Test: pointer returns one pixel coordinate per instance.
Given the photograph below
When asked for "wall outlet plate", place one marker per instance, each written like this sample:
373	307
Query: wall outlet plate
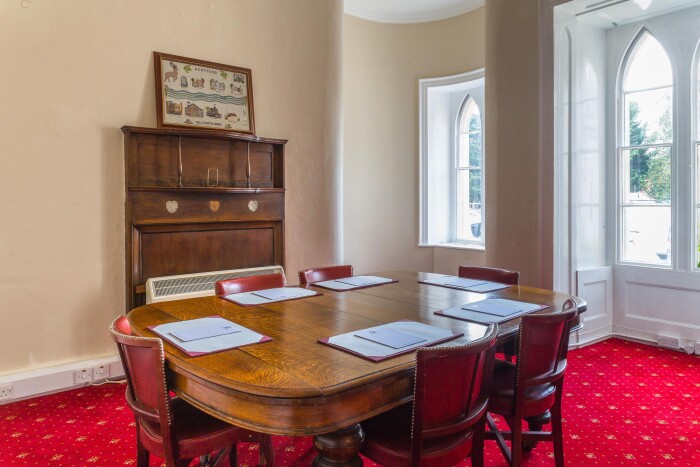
6	391
697	348
83	375
100	372
668	342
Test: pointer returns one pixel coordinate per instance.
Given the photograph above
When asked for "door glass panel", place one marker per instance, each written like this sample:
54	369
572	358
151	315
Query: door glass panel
646	234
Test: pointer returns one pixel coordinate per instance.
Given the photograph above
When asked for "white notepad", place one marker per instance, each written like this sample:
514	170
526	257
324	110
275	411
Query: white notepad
281	293
464	283
488	287
497	307
263	297
362	281
240	336
203	332
390	337
376	352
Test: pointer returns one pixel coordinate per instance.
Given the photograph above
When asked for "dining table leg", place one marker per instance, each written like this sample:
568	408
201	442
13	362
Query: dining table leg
340	447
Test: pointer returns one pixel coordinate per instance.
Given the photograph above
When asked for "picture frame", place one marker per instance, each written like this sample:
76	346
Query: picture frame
198	94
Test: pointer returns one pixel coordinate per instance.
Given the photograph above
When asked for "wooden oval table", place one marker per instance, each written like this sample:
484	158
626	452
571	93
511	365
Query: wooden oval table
295	386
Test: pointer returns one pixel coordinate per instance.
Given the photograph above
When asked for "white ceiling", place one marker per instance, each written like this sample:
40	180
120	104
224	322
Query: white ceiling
409	11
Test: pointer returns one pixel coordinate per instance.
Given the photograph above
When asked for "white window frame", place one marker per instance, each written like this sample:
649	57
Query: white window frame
439	102
457	168
681	46
621	145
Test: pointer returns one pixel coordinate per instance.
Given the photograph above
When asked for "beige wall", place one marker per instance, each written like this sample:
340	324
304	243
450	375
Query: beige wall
519	173
382	64
74	72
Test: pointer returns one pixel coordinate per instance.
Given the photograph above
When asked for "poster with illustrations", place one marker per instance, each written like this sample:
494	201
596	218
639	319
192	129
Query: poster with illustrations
203	95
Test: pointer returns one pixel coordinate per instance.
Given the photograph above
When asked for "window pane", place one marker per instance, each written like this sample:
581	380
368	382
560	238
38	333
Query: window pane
469	152
646	176
468	204
697	96
648	66
463	151
475	138
648	117
465	117
697	194
646	234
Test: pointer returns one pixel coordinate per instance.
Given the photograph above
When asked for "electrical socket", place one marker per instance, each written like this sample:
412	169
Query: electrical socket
6	391
100	372
83	375
697	348
688	346
668	342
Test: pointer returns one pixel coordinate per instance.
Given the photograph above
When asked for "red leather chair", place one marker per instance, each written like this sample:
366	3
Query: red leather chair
504	276
250	283
309	276
533	386
446	420
167	426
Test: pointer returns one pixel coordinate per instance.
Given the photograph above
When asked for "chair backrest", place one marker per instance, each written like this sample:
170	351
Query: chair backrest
143	359
250	283
544	342
504	276
451	389
329	273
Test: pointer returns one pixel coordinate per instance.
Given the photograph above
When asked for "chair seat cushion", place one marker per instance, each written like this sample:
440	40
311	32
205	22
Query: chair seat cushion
538	399
388	441
197	432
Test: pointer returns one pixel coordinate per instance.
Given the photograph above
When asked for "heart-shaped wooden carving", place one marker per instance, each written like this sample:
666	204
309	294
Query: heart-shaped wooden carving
214	205
171	206
253	205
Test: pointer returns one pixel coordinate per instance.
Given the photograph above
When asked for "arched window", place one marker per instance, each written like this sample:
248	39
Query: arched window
468	174
644	151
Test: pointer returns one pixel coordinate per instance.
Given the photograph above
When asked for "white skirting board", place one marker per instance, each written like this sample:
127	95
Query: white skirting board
594	285
58	378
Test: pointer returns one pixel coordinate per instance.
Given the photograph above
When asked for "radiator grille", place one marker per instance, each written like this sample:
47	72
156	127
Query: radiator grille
189	285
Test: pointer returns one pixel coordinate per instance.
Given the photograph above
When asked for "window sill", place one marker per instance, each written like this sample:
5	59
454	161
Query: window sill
456	246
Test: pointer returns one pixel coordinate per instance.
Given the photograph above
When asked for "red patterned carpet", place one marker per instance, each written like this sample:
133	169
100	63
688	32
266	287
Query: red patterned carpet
625	404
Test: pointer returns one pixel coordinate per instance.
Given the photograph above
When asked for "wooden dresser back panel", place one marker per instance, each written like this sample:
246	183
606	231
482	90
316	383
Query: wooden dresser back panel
199	201
201	248
157	158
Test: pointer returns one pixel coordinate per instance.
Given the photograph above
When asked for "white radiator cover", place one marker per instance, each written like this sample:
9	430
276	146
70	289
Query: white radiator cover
166	288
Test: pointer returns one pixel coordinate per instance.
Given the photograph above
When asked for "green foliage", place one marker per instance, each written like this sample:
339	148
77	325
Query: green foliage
659	176
639	159
650	169
187	68
475	150
224	74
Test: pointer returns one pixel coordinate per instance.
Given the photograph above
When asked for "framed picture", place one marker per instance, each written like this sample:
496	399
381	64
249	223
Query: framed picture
203	95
